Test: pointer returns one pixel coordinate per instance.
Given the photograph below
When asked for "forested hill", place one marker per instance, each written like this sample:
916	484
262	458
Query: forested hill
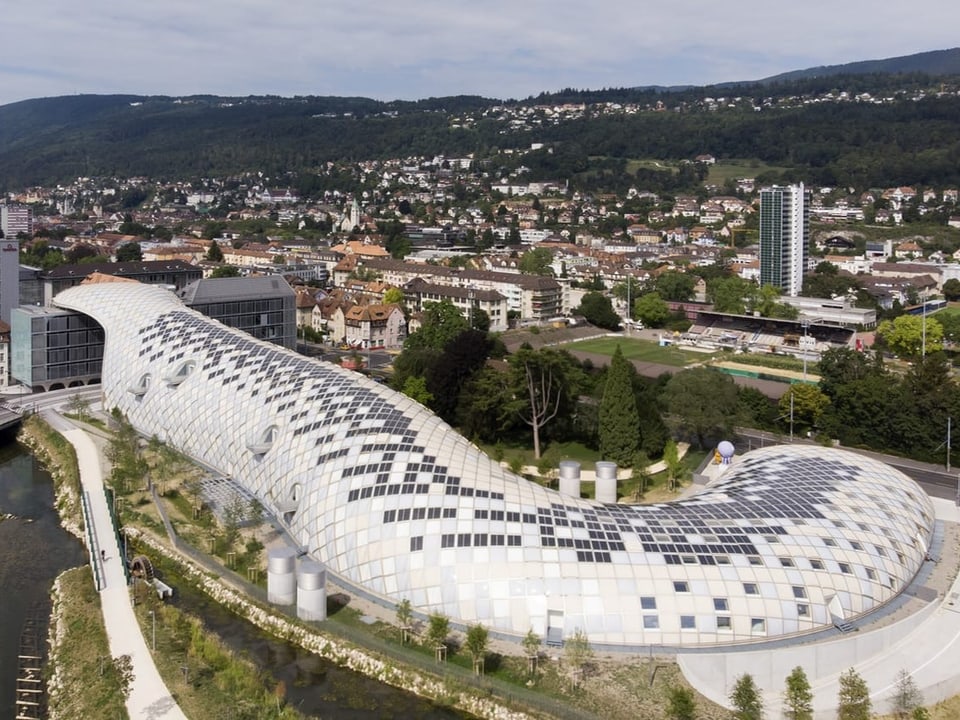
935	62
804	126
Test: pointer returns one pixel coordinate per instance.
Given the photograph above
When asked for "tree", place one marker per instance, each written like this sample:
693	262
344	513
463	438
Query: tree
675	285
746	699
702	401
536	262
233	516
680	704
577	652
808	404
853	699
255	512
415	387
123	665
477	643
438	627
951	289
531	646
546	382
441	322
912	335
619	421
798	697
651	310
640	473
677	472
214	253
731	295
130	252
597	309
393	296
404	618
906	697
79	405
225	271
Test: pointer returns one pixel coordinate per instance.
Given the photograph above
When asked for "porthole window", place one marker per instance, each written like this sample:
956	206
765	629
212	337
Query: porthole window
181	371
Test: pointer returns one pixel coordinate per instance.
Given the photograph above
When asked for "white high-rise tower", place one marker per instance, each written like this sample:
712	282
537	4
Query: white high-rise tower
784	237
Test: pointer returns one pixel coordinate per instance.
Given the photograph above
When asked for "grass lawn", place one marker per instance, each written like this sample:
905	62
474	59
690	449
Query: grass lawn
642	350
725	170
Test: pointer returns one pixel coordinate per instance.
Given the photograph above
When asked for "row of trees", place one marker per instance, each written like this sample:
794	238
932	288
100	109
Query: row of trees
853	699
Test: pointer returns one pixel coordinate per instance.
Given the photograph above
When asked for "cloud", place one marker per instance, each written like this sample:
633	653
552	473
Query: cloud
436	47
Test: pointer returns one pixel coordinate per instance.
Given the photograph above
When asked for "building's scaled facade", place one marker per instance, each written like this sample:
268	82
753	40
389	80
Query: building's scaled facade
393	500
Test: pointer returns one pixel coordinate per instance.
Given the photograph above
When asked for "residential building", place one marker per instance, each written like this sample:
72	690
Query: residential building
373	326
784	236
16	219
419	292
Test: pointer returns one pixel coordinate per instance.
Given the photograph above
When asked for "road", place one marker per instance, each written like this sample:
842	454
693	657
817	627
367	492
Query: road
376	361
934	479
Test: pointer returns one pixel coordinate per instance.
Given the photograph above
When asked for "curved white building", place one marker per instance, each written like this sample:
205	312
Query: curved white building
392	499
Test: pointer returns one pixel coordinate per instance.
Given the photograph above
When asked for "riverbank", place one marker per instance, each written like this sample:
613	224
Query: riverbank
84	681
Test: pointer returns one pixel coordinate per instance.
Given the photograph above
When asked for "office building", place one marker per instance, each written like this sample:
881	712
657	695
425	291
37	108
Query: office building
784	237
264	306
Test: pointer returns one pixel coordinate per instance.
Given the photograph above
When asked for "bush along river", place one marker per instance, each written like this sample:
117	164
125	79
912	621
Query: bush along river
34	549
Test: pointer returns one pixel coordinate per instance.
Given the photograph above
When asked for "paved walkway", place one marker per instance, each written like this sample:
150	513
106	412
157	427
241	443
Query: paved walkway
149	696
924	644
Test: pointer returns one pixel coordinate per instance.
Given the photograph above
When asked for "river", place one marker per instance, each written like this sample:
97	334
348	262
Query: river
34	549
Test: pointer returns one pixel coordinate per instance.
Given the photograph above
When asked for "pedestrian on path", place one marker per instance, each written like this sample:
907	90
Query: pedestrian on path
103	555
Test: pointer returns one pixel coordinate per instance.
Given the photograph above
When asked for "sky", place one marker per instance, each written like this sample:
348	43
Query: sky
386	49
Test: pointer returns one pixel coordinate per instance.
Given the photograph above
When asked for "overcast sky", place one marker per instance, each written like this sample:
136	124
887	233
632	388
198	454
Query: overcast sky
388	49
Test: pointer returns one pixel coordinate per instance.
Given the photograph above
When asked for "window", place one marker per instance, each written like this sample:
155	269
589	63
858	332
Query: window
688	622
750	589
723	622
463	540
855	545
449	512
845	568
816	564
755	560
786	562
720	604
871	573
648	603
403	514
447	541
829	542
433	513
416	543
389	516
758	625
651	622
803	610
681	586
799	592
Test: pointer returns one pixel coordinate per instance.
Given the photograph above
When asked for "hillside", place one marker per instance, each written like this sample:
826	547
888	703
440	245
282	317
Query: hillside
935	62
799	124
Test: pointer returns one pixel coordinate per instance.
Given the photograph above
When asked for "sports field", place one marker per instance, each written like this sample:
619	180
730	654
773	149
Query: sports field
642	350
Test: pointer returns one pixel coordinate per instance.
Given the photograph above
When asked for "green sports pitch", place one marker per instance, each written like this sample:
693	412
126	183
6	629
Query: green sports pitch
642	350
